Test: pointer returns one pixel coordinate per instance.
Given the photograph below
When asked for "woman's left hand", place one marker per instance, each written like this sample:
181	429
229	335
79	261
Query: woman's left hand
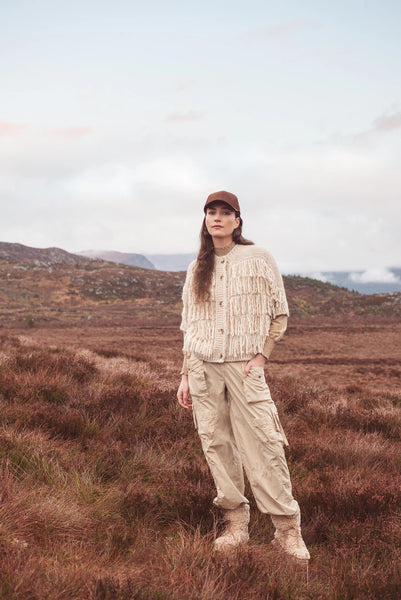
257	361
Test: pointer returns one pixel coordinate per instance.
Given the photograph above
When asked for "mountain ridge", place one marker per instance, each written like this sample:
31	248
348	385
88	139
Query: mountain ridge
368	281
52	255
59	281
124	258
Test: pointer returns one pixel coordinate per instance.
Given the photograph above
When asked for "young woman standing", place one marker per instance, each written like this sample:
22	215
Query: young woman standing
234	310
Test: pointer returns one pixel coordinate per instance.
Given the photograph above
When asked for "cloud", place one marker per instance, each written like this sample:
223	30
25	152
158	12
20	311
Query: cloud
317	208
7	128
184	117
384	124
286	29
73	131
388	122
317	275
375	275
183	86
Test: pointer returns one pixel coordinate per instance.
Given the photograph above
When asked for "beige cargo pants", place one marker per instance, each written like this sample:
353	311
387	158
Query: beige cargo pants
238	425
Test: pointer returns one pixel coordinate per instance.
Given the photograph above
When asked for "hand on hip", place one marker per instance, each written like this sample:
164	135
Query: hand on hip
257	361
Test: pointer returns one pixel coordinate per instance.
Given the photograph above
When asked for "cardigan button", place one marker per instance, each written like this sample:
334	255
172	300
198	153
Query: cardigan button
221	356
223	260
221	330
221	303
221	276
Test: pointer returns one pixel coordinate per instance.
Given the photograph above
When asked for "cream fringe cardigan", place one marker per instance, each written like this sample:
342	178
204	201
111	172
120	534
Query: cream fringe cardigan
247	293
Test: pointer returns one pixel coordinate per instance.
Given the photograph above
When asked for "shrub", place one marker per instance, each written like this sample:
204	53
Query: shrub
30	321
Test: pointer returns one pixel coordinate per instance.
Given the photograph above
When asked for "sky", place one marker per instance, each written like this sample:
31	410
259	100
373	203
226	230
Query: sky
117	119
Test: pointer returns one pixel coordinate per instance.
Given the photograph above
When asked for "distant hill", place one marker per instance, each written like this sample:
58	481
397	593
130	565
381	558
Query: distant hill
363	281
124	258
162	262
307	296
171	262
41	256
44	281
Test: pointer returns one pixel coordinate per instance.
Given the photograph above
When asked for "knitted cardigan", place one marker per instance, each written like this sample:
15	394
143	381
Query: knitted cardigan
247	292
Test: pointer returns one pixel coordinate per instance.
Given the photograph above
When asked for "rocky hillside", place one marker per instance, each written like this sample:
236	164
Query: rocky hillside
43	281
87	279
125	258
308	297
39	256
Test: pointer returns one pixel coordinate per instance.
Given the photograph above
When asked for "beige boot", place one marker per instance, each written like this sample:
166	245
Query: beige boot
236	531
288	536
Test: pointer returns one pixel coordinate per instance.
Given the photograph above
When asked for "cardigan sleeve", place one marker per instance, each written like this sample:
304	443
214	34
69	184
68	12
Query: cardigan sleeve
184	315
184	368
185	297
276	332
278	298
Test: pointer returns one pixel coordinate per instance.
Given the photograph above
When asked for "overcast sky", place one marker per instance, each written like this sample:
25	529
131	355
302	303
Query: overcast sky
117	119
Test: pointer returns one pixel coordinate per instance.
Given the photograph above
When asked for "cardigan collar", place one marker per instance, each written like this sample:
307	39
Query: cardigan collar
225	249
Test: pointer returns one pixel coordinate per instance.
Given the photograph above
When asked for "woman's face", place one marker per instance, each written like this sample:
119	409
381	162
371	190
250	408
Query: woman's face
221	221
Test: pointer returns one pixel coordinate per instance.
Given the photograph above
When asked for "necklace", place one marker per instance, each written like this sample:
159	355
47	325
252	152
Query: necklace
230	245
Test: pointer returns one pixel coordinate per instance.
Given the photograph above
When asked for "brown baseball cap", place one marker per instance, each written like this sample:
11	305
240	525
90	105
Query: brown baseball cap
226	197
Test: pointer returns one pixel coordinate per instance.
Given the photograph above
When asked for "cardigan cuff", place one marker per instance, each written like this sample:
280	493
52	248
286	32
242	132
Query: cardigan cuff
276	332
184	368
268	347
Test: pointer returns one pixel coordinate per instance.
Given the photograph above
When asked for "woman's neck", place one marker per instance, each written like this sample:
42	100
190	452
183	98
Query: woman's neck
224	249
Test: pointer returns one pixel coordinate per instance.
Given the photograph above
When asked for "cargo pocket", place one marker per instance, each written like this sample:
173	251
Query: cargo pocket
255	386
204	415
196	377
268	427
194	418
205	419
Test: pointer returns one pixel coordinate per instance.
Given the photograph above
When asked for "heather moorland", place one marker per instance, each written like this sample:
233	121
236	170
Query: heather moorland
105	493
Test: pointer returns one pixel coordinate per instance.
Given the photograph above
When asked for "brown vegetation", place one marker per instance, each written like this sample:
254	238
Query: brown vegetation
105	493
52	286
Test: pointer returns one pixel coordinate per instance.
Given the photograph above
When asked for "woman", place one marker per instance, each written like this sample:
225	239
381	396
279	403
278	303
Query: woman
234	310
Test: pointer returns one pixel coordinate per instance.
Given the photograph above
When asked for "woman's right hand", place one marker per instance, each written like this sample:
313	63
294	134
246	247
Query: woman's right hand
183	396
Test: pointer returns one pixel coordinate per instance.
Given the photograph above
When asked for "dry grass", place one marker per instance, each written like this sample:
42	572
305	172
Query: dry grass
105	493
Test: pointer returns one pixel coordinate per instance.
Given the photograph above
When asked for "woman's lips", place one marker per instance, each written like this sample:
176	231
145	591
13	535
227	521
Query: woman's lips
217	226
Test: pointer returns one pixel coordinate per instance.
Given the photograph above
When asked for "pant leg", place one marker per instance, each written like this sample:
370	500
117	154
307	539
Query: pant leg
260	439
212	419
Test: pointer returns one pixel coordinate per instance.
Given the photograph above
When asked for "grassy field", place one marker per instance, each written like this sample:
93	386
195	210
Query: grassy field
105	493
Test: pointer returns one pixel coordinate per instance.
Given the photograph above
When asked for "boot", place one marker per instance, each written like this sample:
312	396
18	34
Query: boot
288	536
236	531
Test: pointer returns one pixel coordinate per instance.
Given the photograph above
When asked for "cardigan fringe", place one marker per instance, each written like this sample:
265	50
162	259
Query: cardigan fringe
247	292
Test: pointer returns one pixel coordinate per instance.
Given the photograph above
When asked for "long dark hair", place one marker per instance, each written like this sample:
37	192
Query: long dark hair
205	259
